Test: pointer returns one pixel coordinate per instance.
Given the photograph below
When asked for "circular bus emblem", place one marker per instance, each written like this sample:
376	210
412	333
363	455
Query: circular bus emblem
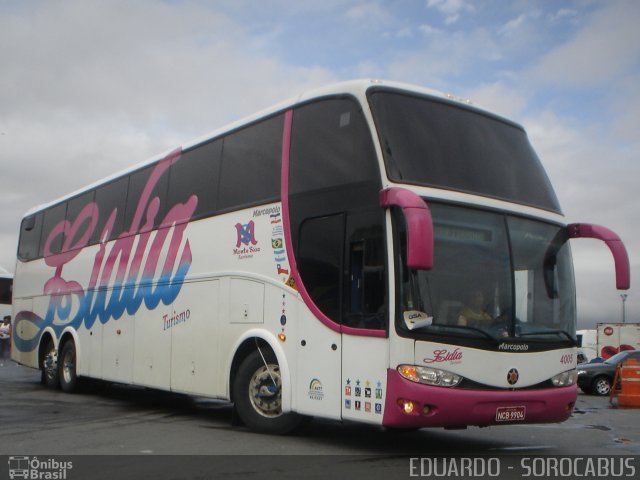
512	376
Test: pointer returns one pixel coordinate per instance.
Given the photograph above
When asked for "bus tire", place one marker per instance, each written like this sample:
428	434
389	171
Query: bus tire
49	366
257	394
67	368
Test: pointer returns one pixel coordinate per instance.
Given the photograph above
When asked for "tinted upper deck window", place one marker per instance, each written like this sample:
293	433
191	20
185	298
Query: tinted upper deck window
197	173
30	233
52	217
138	181
330	146
109	198
251	159
441	144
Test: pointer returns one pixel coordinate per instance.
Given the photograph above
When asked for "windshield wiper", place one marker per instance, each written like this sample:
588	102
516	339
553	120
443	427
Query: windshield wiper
551	332
464	327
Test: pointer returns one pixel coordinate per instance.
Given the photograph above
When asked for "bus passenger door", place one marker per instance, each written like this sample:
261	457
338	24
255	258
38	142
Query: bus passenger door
364	355
319	345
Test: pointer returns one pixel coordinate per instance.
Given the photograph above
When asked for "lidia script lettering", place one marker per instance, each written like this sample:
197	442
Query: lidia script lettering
129	267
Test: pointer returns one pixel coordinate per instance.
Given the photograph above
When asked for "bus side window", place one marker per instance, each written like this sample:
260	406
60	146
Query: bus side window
366	276
196	173
137	182
250	172
30	232
331	147
52	217
75	206
320	261
110	197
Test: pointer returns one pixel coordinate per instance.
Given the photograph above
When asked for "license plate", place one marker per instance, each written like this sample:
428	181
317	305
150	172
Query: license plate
510	414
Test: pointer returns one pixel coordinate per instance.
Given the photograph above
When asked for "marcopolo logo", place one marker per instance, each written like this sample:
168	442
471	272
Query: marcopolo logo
513	347
38	469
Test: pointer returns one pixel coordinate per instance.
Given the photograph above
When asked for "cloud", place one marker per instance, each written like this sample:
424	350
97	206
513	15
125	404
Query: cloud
624	103
499	97
429	30
563	14
443	56
92	59
451	9
607	46
512	26
367	12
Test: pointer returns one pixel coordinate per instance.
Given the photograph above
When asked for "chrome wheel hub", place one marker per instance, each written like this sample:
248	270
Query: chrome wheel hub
265	391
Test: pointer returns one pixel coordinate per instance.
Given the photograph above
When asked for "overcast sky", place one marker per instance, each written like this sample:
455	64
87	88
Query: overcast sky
89	87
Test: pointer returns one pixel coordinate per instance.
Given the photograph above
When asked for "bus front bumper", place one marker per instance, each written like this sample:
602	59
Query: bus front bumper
413	405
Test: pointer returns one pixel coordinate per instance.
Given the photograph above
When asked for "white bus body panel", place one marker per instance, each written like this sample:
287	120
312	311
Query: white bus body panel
317	385
364	378
194	333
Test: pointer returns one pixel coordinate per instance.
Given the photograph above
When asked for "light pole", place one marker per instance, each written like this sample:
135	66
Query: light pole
623	296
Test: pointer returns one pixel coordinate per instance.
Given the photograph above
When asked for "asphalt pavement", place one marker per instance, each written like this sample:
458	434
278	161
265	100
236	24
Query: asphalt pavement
106	419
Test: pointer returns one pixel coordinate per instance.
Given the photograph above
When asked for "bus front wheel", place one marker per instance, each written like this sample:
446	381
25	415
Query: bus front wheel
257	394
67	367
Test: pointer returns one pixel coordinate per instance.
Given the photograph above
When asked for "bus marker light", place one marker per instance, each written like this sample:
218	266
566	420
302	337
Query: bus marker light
282	337
409	372
407	406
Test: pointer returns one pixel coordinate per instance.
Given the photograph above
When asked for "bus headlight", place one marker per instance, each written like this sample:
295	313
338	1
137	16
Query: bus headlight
429	376
565	379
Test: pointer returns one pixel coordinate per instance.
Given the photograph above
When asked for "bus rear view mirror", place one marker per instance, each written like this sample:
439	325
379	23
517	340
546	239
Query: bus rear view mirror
617	248
419	225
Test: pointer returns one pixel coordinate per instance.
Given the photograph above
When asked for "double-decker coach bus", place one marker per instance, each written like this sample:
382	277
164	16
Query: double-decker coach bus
370	251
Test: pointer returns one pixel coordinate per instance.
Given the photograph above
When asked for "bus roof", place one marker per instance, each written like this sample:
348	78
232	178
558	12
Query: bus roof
356	88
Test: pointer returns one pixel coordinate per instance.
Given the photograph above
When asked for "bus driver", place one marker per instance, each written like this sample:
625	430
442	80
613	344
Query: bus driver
474	313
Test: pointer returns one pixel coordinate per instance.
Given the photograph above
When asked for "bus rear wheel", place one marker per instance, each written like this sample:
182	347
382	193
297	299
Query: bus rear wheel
49	366
67	367
257	393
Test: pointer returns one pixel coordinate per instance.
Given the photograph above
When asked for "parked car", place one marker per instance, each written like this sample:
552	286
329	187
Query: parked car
597	378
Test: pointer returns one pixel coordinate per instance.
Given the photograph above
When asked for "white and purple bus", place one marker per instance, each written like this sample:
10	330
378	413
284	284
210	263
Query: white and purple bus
370	251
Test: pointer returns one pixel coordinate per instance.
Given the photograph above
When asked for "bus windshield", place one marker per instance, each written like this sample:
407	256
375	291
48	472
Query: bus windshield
495	277
440	144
